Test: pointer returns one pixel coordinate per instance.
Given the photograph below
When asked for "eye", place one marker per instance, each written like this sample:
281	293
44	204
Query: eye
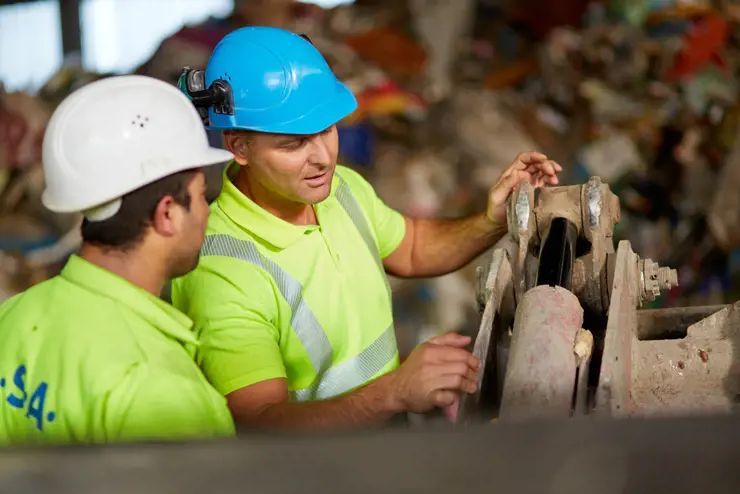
295	143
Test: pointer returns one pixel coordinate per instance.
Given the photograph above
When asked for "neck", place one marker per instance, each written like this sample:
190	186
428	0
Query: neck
135	268
293	212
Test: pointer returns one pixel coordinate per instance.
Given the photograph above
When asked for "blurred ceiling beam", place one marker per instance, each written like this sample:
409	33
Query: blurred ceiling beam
11	2
69	16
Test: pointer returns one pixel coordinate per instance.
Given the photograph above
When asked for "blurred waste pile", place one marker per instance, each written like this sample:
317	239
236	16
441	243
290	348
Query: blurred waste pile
34	243
642	93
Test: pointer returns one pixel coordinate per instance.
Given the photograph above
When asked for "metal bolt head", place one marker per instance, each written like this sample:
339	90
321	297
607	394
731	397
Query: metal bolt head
654	278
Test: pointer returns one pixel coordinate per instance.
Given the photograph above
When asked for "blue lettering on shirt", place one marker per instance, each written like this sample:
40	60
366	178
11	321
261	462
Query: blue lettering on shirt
33	406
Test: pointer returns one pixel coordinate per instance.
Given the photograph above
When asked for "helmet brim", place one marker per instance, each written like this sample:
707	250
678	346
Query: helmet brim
210	156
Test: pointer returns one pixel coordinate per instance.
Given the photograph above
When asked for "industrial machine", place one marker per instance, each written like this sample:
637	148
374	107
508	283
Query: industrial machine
562	333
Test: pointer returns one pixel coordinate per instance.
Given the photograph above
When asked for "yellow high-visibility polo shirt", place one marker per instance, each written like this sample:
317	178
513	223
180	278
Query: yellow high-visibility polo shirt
88	357
308	303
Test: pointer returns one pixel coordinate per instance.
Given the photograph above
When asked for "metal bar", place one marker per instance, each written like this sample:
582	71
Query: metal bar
661	324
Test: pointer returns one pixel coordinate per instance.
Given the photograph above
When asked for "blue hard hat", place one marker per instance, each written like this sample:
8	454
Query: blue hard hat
279	82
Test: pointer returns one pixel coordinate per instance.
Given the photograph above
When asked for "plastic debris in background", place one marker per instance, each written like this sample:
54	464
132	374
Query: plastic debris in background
612	156
608	105
13	129
442	26
636	12
429	178
511	73
486	132
456	302
23	119
392	51
382	96
709	85
701	46
357	143
558	70
541	18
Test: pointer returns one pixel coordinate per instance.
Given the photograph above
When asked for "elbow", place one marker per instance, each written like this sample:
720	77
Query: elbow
254	406
250	419
400	269
402	264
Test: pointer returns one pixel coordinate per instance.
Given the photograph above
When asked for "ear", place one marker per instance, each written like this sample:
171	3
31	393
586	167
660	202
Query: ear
237	145
168	217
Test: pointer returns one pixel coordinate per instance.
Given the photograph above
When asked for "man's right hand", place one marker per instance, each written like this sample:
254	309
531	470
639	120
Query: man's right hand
434	374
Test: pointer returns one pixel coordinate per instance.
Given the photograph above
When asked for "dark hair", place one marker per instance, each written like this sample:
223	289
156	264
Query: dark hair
124	230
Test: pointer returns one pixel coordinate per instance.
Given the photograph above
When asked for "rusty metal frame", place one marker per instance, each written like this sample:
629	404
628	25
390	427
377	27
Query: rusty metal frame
498	294
613	393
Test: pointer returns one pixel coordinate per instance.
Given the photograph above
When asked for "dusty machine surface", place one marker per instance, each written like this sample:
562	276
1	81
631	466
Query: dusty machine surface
676	456
562	333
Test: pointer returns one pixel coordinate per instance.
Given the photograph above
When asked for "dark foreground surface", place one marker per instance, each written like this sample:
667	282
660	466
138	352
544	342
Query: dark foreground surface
671	456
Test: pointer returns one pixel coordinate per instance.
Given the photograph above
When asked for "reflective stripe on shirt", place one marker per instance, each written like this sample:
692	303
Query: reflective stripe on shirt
330	380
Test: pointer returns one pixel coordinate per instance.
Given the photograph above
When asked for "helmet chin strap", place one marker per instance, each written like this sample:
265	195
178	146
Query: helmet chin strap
103	212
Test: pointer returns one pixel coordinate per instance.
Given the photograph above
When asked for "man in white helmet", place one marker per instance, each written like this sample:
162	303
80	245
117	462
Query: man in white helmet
93	355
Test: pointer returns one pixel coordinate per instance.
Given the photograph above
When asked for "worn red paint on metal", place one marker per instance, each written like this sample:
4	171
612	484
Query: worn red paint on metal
541	369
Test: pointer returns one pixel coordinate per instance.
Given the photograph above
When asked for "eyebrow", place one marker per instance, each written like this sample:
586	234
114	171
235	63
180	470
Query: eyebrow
287	139
290	139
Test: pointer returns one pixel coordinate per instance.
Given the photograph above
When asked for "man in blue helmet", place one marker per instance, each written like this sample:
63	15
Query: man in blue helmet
290	298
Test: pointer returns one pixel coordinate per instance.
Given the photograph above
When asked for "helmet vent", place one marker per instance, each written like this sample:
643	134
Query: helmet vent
139	121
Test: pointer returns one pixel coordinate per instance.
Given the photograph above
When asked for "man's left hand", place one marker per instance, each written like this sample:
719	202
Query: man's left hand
532	167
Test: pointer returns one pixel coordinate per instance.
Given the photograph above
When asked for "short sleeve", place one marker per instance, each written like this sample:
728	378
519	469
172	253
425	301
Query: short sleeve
156	405
388	224
234	310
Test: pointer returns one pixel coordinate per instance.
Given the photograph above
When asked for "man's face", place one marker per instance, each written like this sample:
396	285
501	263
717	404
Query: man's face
192	232
298	168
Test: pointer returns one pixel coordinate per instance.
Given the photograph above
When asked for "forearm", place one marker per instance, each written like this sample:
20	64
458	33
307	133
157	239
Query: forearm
368	406
442	246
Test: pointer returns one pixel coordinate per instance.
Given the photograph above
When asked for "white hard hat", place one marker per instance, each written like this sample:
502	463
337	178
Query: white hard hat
116	135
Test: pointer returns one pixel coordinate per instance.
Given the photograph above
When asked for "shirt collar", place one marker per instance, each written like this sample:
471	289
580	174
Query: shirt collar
154	310
251	217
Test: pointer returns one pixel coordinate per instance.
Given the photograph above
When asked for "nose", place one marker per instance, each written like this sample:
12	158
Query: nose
320	153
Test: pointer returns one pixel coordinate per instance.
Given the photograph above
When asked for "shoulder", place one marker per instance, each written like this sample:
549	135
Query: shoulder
225	282
227	263
13	302
34	294
358	186
59	303
352	178
56	322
